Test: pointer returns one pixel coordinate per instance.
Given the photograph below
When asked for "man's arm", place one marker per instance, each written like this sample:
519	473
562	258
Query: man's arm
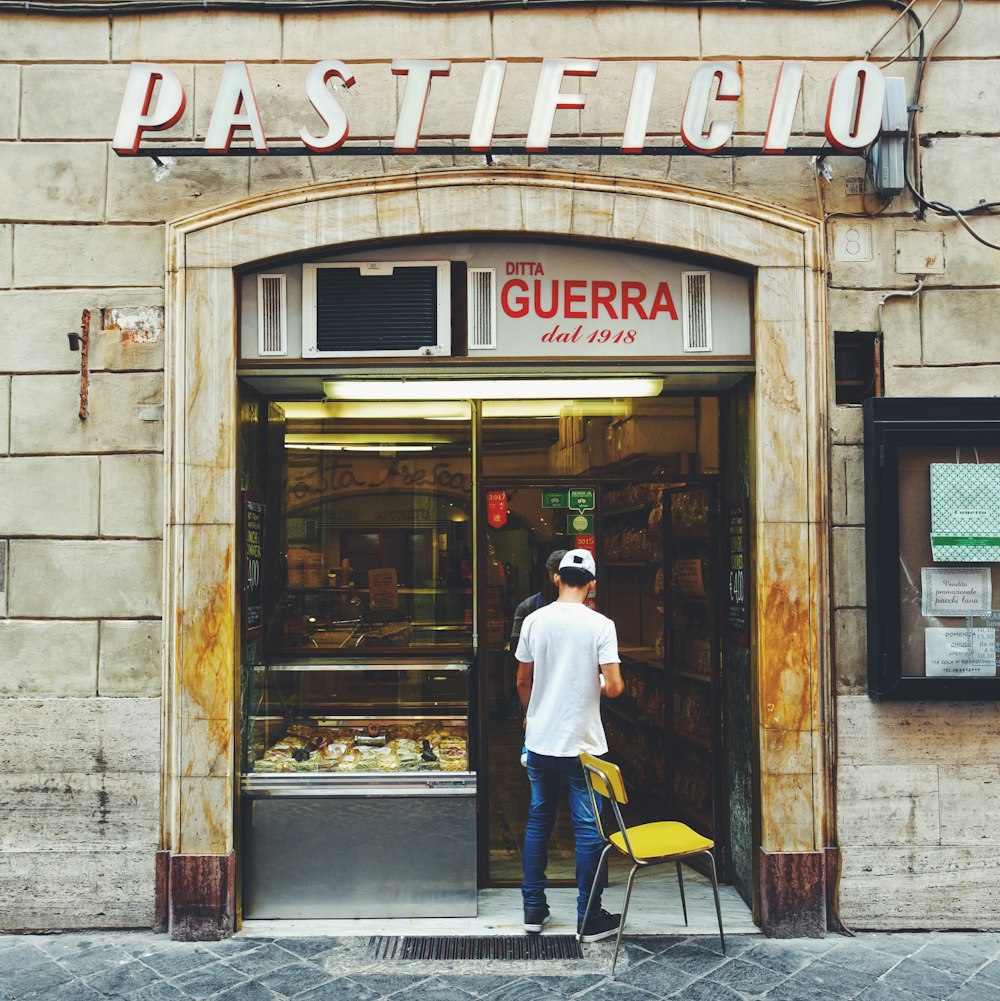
525	679
613	684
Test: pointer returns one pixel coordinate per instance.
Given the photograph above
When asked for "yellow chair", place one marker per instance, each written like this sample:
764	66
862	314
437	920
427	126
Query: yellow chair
645	844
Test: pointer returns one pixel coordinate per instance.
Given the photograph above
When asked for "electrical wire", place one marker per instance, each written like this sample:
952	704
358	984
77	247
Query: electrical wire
914	179
906	48
130	7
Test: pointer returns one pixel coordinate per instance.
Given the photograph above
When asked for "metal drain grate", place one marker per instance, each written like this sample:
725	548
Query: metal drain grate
474	947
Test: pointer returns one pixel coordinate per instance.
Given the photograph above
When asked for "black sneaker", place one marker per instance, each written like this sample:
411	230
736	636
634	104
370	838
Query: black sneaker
599	925
536	918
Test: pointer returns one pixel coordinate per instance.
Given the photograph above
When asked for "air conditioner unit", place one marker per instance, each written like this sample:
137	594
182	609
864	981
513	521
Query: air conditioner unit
376	309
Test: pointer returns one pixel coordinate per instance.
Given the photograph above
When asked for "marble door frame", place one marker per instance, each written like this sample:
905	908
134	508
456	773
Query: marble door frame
196	867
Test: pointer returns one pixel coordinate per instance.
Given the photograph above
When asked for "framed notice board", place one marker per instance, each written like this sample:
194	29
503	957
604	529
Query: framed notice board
932	524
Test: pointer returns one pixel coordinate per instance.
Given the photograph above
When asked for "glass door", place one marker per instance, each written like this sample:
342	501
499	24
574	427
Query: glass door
524	527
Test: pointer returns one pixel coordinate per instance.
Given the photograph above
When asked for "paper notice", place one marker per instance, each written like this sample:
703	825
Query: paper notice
960	653
958	591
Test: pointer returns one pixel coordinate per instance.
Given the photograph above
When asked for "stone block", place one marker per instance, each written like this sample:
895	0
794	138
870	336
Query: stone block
942	733
96	735
132	496
205	36
57	181
847	485
848	571
896	888
4	414
10	83
971	380
56	890
370	105
77	812
847	425
61	310
97	99
755	33
92	579
643	34
779	180
40	39
850	650
880	271
959	170
968	261
194	183
45	413
49	495
365	37
285	173
959	97
853	310
970	805
6	255
959	327
130	658
336	168
108	256
57	659
887	805
977	34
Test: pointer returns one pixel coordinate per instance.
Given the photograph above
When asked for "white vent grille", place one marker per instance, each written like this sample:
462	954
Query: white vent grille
482	309
697	310
272	316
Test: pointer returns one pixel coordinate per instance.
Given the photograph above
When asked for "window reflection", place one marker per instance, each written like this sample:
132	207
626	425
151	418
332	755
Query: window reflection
375	531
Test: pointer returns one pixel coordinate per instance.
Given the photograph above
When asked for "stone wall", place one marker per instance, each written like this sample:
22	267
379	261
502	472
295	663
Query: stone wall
80	504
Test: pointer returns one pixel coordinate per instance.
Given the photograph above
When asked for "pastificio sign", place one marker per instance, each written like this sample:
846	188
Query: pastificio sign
154	101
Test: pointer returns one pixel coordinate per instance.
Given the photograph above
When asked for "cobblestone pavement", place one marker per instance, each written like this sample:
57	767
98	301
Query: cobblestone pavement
146	967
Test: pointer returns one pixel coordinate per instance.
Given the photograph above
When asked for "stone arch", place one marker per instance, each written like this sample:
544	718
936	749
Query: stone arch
786	252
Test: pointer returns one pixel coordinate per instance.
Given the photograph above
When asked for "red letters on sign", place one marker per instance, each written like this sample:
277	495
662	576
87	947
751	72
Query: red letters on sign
578	299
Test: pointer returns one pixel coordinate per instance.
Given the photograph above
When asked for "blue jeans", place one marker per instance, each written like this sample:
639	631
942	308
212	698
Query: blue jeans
546	774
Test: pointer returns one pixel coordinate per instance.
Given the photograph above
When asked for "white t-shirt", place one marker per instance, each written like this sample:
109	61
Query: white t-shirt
567	642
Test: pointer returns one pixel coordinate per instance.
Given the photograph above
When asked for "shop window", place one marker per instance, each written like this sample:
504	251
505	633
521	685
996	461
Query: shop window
375	532
932	501
857	356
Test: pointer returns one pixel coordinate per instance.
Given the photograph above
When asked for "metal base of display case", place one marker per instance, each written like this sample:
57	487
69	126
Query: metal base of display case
378	847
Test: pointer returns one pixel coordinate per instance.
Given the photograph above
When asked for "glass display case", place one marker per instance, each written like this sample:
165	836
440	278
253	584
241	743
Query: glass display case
334	753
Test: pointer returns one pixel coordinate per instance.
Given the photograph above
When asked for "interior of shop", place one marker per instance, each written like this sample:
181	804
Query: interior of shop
403	535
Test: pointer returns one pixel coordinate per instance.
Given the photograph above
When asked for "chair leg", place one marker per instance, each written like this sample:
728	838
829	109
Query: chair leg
680	883
621	927
595	884
718	908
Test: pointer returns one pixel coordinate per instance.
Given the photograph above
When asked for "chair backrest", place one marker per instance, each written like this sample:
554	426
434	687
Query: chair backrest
605	777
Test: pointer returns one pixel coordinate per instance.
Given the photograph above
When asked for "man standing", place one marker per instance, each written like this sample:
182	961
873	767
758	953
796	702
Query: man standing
567	654
533	602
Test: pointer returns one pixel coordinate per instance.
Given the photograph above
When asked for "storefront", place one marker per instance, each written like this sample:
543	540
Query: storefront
401	515
360	291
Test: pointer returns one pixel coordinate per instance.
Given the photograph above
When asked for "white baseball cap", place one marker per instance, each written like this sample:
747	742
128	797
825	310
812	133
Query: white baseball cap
581	559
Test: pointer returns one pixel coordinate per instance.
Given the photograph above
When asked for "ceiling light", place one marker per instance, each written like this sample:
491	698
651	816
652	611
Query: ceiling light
388	446
490	389
377	438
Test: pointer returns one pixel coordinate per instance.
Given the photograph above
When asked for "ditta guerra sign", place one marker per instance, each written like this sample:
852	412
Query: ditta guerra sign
155	100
